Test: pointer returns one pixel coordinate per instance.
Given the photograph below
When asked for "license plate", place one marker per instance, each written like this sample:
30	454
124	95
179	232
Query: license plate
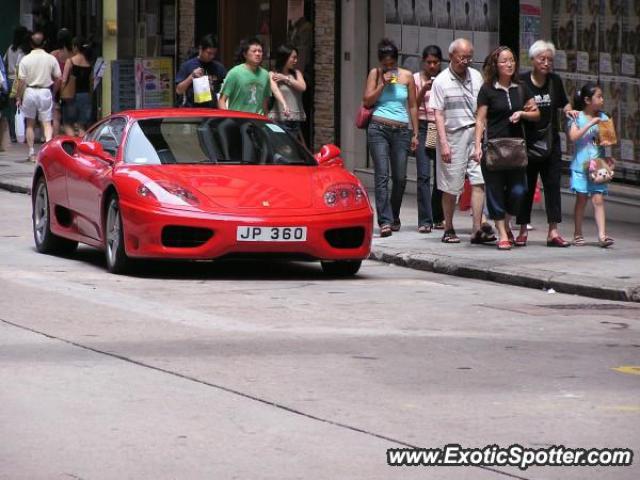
251	233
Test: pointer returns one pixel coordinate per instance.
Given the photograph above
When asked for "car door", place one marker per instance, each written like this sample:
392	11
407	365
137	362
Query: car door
88	175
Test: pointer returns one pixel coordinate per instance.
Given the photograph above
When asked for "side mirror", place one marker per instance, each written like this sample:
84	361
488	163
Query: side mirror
95	149
329	153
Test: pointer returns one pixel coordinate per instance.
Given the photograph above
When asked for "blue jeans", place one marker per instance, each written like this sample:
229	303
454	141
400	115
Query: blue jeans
505	191
389	148
424	157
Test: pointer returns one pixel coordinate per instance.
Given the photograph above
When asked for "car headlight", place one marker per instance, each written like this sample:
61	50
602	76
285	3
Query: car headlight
345	195
168	193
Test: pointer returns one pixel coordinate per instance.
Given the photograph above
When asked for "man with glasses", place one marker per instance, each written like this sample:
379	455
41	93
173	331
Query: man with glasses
453	98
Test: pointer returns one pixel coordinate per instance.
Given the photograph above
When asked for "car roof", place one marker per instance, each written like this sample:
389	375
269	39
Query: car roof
147	113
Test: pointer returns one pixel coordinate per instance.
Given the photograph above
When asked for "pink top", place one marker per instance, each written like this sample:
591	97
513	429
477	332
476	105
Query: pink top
424	112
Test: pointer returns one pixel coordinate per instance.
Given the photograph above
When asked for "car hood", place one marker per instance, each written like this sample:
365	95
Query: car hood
240	186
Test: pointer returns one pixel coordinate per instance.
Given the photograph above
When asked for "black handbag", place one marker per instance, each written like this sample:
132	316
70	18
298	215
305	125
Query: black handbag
506	153
540	146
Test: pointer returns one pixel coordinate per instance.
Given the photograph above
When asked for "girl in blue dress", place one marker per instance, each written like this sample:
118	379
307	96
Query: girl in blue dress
583	130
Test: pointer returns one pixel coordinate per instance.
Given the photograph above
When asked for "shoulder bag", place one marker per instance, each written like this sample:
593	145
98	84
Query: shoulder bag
539	148
506	153
600	170
68	92
364	113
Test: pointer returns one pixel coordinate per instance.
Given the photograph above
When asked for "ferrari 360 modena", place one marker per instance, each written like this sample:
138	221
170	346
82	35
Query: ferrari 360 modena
197	184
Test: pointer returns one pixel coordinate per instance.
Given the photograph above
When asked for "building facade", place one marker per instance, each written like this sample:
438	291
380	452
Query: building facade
596	40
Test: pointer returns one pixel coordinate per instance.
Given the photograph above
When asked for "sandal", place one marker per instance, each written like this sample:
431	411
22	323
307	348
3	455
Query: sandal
438	226
578	241
424	229
385	231
504	245
481	237
512	240
395	226
450	237
606	241
521	240
557	242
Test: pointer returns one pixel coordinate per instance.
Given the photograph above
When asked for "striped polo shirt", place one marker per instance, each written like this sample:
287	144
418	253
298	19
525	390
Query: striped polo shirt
456	98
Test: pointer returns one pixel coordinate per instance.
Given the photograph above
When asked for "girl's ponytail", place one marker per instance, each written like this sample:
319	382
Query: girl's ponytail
587	91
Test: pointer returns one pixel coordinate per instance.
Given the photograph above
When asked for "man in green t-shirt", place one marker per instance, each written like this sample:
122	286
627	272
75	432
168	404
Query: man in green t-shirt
246	87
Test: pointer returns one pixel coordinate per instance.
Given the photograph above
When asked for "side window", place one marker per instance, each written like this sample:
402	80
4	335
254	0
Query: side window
110	135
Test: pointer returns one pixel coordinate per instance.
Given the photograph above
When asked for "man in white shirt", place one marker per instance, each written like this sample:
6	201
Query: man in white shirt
38	74
454	100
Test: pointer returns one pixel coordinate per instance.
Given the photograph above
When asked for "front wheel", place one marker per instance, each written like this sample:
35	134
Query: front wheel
341	268
45	240
117	260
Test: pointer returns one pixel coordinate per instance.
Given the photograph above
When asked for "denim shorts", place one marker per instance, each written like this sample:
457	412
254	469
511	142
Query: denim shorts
77	110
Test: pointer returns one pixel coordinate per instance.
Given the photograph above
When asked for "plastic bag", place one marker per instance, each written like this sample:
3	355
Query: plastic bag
201	90
537	194
19	121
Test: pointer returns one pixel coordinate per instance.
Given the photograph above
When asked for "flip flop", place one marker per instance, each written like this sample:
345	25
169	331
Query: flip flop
606	242
482	237
578	241
450	237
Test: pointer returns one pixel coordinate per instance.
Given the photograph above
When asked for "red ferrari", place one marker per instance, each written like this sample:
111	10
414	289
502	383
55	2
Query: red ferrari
198	184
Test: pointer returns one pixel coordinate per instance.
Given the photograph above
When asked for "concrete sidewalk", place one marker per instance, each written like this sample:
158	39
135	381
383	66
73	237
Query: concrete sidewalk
612	273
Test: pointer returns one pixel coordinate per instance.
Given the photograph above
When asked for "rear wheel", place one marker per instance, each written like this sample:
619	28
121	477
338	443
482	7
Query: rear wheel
341	268
45	240
117	260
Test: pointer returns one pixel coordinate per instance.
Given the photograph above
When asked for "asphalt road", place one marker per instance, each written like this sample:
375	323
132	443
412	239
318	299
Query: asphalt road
273	371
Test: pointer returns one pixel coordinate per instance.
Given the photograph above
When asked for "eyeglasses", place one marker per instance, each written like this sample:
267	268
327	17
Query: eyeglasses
467	60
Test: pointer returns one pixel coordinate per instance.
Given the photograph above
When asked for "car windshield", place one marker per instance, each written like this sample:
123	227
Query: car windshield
212	140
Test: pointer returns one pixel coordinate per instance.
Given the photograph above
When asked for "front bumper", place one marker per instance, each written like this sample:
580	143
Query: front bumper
143	228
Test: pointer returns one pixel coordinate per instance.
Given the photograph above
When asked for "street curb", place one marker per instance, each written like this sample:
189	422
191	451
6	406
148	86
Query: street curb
531	278
482	270
15	188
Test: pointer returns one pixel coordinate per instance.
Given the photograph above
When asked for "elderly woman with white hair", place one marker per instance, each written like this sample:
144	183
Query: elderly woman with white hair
543	141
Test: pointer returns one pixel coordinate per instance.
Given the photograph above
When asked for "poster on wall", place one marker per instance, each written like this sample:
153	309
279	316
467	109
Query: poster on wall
530	13
154	82
603	46
414	24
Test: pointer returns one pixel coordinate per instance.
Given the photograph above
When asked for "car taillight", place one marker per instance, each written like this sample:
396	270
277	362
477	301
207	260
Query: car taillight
345	195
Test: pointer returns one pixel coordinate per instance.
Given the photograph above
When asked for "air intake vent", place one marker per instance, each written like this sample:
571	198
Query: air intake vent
185	237
345	237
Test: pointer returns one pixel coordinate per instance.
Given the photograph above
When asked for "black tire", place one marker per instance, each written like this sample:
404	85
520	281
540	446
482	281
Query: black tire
117	260
341	268
45	240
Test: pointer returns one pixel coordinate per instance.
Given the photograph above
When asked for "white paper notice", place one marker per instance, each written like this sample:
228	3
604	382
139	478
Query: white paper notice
560	60
628	66
605	63
626	149
583	61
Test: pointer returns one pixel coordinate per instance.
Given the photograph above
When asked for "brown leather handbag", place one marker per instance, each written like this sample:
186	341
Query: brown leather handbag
507	153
